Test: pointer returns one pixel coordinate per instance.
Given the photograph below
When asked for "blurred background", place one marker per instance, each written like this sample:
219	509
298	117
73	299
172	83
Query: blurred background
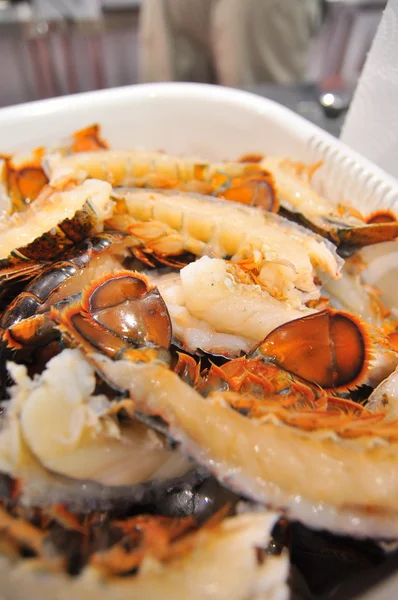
306	54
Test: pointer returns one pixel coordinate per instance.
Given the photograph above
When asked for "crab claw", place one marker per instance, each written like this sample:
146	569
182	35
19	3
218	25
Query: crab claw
119	315
331	348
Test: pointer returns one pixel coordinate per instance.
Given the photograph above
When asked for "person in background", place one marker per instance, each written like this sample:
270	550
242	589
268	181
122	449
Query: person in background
236	43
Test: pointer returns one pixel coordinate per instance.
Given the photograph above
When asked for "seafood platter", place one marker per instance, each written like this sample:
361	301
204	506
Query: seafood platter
198	352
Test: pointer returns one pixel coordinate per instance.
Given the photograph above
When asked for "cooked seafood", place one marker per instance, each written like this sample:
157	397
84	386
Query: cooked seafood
284	256
380	266
104	411
217	307
21	180
88	139
51	278
350	293
58	424
22	176
231	314
385	397
24	263
346	351
341	223
271	450
5	203
122	315
53	207
156	557
25	322
72	432
243	183
275	462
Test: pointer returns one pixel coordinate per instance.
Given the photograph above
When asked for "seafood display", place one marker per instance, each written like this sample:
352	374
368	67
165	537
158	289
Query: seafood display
196	360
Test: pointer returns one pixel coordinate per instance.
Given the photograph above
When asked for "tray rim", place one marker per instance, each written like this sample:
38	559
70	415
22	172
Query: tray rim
307	132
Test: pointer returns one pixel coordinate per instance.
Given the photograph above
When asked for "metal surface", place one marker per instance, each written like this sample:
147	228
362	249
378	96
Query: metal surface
363	4
335	103
113	5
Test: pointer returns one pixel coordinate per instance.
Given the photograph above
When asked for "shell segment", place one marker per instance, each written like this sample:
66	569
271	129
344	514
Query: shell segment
243	183
120	315
329	348
285	257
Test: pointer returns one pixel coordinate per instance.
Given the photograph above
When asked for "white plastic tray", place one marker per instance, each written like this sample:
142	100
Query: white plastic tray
204	120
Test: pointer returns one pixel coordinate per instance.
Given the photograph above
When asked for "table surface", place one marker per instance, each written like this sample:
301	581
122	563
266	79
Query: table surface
302	99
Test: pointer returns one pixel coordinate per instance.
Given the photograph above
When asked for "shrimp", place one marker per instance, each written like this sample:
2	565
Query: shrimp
285	257
246	184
